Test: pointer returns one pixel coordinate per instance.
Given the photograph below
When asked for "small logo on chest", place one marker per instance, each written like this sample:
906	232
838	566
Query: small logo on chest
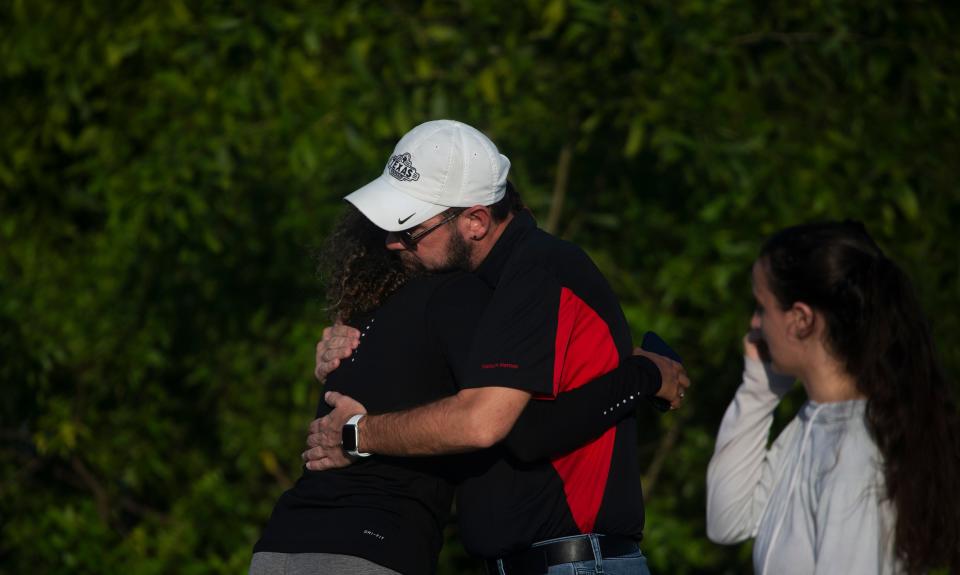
499	365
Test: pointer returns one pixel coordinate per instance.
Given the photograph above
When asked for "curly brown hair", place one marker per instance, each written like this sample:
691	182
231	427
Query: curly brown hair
359	272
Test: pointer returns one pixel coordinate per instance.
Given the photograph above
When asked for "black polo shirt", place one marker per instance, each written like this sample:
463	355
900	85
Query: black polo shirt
388	510
552	325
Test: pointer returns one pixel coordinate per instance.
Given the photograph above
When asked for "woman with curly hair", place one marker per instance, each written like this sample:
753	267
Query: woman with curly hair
864	479
381	515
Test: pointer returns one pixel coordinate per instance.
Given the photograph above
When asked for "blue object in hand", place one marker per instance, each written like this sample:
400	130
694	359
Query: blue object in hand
655	344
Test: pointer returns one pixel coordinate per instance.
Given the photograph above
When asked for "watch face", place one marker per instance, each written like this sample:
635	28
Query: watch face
349	437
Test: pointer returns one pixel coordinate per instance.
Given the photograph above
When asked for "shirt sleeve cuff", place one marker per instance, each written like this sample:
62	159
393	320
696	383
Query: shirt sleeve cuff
759	376
648	375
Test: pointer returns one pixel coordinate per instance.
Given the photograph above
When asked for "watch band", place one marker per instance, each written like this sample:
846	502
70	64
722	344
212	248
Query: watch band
351	430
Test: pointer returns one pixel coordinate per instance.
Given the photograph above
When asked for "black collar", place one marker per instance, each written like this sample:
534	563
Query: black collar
491	268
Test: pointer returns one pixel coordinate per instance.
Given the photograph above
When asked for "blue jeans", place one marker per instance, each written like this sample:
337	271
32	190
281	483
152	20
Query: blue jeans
630	564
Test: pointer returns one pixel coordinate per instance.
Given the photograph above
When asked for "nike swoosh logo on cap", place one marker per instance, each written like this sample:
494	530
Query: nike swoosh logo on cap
404	220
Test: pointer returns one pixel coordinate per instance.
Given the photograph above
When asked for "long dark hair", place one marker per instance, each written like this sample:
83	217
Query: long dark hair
876	328
358	270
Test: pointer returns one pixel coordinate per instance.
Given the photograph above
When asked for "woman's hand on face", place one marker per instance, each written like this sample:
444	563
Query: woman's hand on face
754	346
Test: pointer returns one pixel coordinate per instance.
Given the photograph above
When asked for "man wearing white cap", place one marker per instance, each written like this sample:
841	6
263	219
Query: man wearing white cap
552	326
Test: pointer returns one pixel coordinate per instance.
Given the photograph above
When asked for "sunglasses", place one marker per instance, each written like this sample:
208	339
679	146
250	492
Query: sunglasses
410	239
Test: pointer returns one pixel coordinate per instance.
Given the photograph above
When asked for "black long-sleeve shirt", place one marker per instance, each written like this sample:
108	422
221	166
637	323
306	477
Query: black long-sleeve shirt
389	510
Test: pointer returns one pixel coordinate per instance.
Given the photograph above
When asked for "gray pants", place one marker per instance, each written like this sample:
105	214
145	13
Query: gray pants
266	563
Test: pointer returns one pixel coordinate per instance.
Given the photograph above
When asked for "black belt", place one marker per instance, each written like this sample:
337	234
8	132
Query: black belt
538	559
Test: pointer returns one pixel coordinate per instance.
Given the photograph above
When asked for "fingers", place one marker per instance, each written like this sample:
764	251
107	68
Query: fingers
750	340
323	440
332	397
335	348
673	377
682	384
333	462
320	459
649	354
324	450
755	347
324	431
313	454
338	337
329	360
324	368
343	406
337	344
340	330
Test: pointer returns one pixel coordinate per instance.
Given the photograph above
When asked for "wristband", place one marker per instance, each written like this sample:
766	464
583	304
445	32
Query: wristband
350	436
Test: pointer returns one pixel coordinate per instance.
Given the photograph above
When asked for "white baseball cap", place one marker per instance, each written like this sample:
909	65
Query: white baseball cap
437	165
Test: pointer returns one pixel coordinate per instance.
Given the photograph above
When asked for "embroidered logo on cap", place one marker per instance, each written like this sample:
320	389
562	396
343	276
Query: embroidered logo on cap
402	168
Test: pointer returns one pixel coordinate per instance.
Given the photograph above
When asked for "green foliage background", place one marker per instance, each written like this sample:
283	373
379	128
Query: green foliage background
168	168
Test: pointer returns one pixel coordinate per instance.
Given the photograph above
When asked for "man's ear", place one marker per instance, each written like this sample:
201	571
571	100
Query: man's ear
803	320
477	222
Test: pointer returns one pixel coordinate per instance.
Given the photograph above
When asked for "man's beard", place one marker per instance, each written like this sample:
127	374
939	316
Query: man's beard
412	267
458	254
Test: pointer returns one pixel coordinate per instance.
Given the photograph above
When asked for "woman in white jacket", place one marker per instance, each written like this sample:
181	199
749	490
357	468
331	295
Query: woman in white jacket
866	477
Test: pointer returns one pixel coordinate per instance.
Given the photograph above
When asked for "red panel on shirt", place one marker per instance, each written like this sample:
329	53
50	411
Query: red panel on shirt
584	351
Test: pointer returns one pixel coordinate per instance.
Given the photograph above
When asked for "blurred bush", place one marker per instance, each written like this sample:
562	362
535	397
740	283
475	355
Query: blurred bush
167	170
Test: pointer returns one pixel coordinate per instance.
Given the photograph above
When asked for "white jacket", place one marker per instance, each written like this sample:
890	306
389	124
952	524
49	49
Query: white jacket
815	500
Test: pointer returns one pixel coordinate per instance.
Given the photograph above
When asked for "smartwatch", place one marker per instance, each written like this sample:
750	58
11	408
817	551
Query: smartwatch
350	436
